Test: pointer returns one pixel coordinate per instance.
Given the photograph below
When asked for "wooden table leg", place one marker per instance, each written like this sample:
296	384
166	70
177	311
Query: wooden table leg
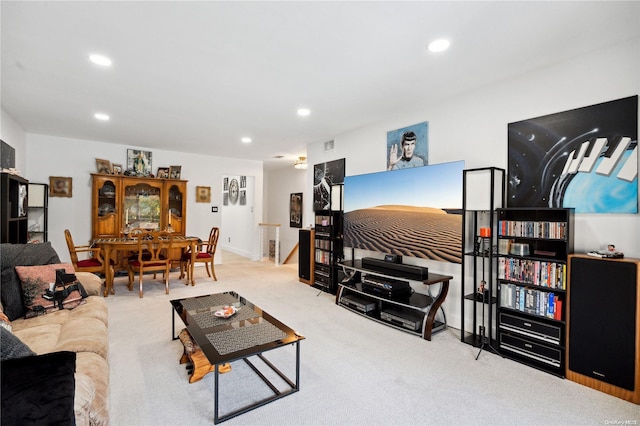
109	271
193	262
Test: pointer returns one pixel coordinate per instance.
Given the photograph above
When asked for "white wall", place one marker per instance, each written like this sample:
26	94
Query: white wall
12	134
473	127
279	185
236	218
57	156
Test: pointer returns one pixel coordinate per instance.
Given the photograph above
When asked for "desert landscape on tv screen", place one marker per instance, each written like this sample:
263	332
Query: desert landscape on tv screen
412	212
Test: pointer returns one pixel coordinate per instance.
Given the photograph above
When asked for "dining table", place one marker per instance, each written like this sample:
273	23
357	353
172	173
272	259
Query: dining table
112	245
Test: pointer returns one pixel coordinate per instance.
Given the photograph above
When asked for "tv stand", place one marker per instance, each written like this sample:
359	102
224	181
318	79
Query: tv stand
415	314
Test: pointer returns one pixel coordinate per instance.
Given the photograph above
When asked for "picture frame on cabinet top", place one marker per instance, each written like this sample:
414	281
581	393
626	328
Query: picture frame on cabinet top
103	166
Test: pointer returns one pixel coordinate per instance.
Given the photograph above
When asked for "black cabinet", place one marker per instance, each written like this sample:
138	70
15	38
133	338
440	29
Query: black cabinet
14	211
533	246
328	249
603	344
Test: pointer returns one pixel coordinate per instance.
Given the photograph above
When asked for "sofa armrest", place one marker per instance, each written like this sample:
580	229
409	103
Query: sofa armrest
91	283
39	389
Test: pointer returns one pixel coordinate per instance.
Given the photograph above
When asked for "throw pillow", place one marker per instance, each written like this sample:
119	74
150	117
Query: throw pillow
39	390
12	255
11	347
35	285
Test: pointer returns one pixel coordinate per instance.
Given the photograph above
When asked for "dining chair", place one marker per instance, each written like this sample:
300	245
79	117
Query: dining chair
92	261
152	256
206	253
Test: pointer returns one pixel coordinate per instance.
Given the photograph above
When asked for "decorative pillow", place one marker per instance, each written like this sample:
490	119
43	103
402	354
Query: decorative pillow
35	289
11	347
39	390
12	255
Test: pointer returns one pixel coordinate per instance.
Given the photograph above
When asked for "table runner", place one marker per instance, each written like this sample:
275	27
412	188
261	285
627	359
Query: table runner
242	338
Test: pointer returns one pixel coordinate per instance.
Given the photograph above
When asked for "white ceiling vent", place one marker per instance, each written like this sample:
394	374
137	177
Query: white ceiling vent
328	146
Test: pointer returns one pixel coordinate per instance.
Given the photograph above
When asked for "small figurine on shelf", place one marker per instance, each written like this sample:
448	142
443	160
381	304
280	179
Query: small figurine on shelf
610	253
483	292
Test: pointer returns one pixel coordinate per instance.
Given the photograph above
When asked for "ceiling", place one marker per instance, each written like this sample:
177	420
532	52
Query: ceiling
199	76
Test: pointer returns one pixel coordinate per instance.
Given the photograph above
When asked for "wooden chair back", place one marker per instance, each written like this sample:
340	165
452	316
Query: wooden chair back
92	256
213	241
153	256
205	254
153	248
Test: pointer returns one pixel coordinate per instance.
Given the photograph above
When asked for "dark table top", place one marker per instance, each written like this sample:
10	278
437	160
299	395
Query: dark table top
248	332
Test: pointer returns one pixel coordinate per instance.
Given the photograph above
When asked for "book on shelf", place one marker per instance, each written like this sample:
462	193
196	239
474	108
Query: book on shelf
532	229
531	301
536	272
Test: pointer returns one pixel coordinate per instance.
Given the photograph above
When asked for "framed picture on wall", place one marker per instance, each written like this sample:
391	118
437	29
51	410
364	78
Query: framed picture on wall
60	186
408	147
139	162
295	210
203	194
585	158
325	175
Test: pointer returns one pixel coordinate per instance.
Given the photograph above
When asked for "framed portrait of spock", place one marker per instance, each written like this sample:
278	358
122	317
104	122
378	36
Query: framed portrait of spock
408	147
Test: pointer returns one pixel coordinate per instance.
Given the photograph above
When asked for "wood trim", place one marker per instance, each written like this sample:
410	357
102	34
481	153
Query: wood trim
293	250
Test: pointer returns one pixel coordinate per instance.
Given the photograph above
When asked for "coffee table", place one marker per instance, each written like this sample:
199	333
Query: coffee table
249	333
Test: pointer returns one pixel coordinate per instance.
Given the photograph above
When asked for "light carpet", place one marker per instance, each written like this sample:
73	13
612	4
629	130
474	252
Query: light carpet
353	371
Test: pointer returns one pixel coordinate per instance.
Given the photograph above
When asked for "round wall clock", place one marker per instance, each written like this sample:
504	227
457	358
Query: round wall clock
234	189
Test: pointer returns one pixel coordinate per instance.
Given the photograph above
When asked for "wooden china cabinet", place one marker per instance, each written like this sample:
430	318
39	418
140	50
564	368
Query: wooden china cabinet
121	203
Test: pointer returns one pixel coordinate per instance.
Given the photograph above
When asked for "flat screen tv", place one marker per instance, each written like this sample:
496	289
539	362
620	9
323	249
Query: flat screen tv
414	212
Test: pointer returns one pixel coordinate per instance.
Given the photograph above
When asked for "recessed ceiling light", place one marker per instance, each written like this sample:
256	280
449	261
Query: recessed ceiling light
101	60
246	140
303	112
439	45
100	116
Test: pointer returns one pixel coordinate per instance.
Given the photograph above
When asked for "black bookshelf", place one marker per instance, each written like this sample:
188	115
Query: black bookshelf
533	247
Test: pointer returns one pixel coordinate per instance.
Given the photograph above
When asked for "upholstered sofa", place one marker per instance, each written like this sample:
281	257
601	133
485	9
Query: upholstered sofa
69	349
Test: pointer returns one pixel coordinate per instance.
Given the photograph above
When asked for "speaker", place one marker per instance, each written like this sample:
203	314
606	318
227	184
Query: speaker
305	255
603	325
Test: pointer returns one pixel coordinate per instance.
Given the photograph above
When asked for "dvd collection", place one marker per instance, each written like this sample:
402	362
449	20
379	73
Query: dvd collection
536	272
532	229
531	301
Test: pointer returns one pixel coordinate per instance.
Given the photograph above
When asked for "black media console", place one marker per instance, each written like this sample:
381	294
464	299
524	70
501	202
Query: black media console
376	292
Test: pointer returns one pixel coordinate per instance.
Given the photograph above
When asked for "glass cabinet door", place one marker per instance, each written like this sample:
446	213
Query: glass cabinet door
106	223
176	207
142	207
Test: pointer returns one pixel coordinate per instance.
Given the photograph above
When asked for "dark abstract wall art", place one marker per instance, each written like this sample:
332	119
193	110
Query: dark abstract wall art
586	158
325	175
